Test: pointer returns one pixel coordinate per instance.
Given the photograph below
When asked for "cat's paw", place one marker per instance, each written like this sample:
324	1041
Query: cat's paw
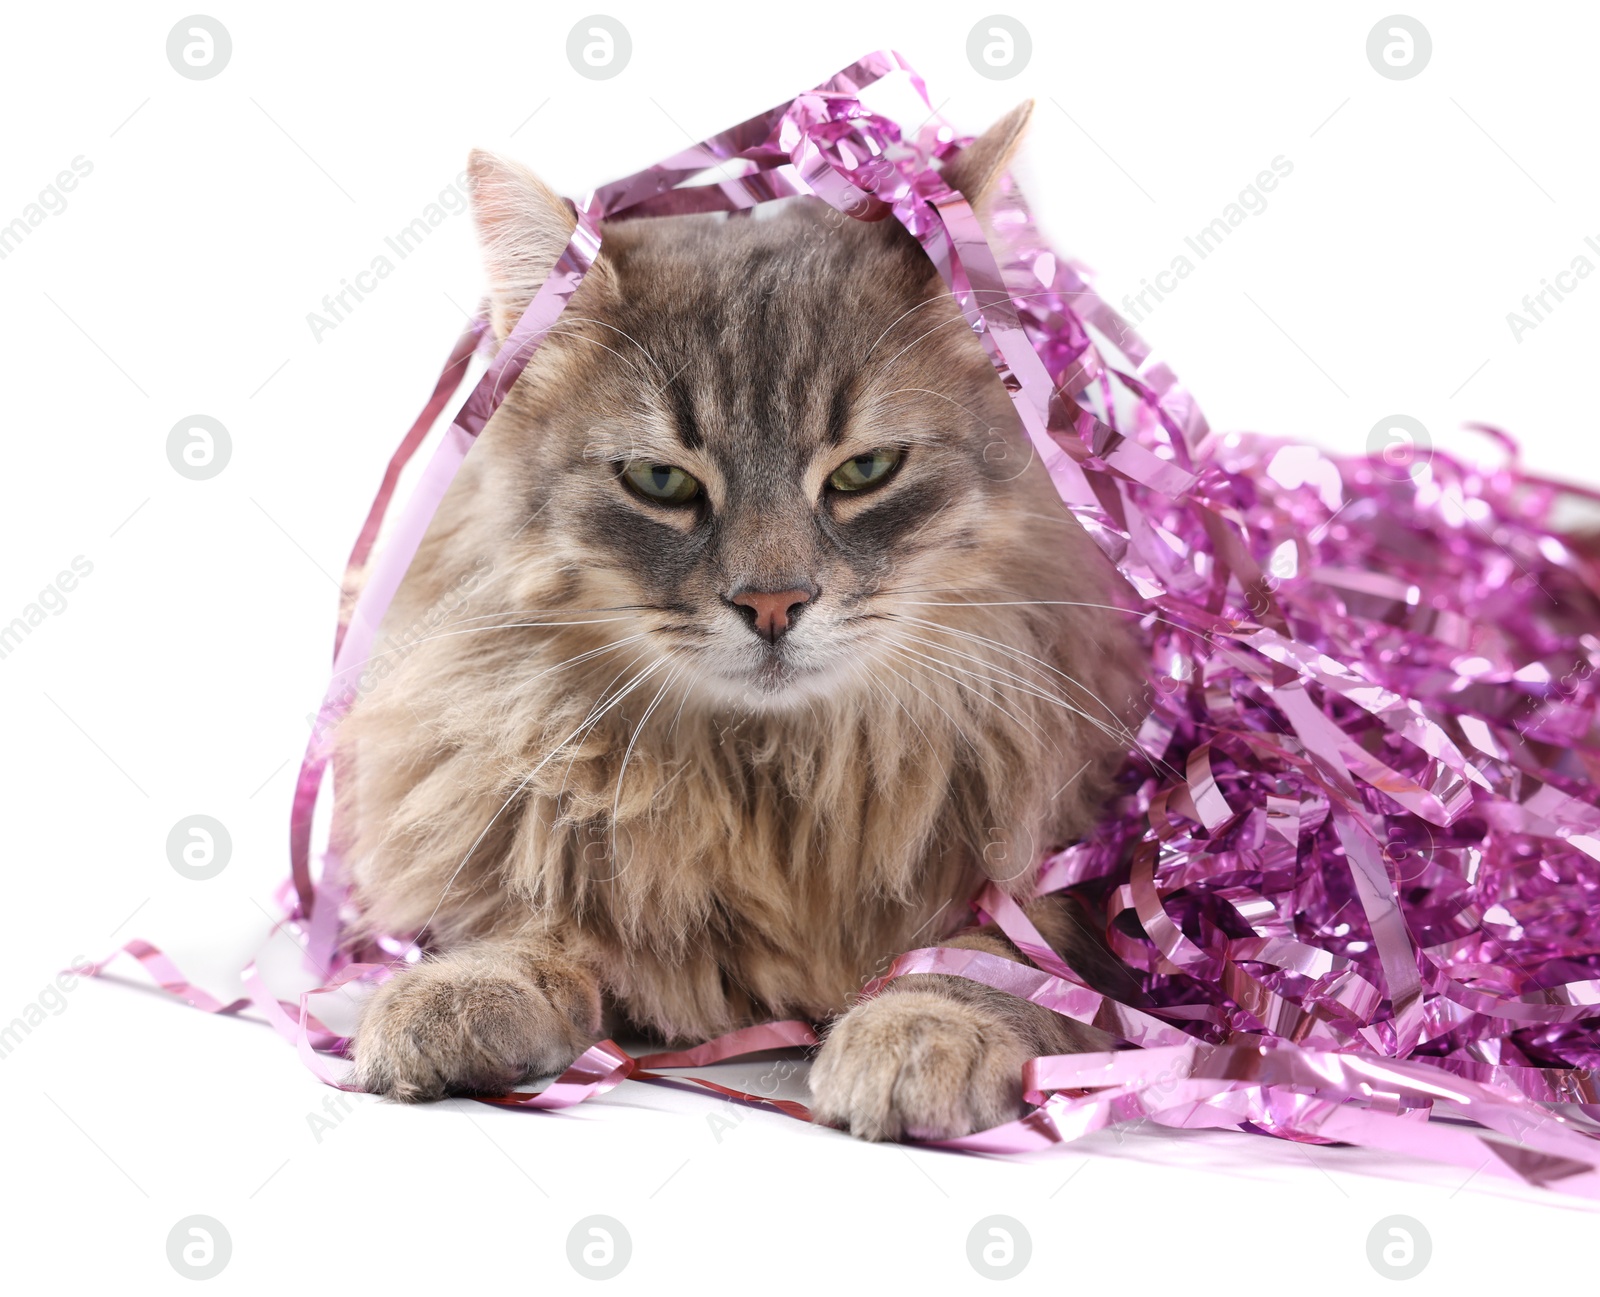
919	1064
441	1029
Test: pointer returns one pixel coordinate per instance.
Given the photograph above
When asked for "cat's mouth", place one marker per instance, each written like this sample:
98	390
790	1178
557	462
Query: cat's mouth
735	667
767	676
775	671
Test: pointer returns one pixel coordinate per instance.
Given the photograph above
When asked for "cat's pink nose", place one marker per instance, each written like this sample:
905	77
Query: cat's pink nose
770	612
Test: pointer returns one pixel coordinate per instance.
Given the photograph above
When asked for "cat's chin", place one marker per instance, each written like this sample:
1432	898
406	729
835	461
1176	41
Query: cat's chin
775	686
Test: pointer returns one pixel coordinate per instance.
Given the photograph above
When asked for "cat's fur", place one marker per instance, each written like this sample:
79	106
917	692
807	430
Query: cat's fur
613	805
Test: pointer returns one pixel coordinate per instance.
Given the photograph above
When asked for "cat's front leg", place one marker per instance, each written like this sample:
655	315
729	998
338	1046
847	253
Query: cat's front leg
935	1057
477	1020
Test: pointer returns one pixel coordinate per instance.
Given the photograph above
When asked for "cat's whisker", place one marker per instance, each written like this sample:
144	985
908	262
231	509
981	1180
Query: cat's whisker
1139	614
928	660
597	713
872	406
599	710
1025	603
944	324
1032	603
683	698
995	296
571	661
1117	732
893	592
565	611
1008	651
856	670
633	739
586	656
1015	654
584	337
1115	729
444	630
475	630
955	726
591	716
589	722
945	296
605	324
1033	688
1062	517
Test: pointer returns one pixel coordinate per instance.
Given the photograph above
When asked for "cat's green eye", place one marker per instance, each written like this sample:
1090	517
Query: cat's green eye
871	469
663	483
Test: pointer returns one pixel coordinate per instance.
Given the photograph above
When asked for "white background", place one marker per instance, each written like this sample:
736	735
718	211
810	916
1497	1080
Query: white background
178	678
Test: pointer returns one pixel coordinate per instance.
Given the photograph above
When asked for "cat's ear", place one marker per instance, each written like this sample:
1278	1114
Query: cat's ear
523	226
977	169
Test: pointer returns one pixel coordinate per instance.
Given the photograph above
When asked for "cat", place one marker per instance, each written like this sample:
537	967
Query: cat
780	644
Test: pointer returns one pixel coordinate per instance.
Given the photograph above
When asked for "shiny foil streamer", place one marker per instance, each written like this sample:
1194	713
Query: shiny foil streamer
1353	860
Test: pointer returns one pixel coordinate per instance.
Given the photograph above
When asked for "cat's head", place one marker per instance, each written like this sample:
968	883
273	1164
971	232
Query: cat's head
767	446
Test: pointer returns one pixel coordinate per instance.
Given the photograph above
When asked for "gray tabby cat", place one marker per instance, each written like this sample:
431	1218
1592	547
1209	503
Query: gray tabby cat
780	645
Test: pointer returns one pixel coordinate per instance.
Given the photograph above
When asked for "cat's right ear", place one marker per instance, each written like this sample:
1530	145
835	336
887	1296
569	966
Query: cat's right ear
523	226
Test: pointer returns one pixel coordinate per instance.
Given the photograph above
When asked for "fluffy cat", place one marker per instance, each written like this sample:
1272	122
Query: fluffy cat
780	643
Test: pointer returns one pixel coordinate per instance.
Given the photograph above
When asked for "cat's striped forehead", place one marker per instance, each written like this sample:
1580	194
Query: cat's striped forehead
780	330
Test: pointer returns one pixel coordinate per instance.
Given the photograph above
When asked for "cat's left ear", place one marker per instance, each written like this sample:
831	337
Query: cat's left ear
523	226
977	169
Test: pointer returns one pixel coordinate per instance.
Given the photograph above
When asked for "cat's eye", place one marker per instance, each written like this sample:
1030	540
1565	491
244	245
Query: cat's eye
663	483
864	471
